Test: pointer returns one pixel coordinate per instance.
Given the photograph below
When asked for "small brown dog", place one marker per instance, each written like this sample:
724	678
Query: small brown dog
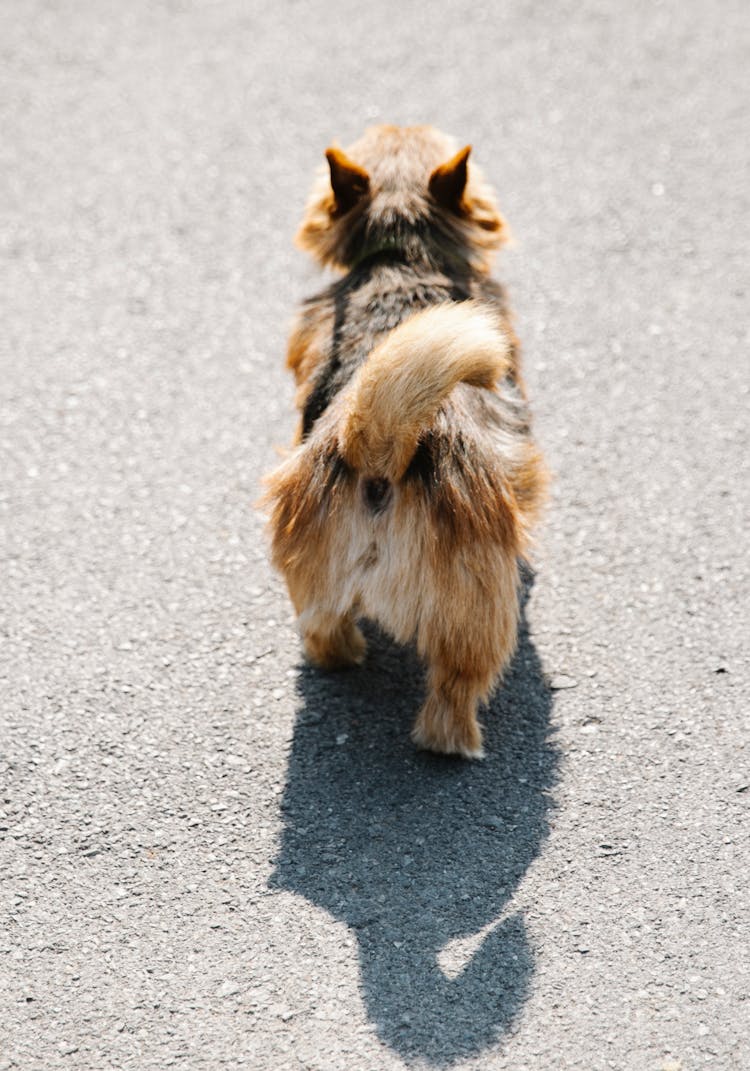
414	481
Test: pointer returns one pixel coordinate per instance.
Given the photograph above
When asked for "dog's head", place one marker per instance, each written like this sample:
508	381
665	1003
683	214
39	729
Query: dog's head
401	188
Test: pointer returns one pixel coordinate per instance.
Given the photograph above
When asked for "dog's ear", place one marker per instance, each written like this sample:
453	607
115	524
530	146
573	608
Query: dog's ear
448	182
349	181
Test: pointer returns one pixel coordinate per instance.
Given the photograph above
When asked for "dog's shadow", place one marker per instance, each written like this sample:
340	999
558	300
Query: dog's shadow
420	855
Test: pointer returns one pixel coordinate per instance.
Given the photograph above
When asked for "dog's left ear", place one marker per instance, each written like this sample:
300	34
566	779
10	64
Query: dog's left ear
349	181
448	182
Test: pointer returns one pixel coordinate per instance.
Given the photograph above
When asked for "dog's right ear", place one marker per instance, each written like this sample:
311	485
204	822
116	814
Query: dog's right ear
349	181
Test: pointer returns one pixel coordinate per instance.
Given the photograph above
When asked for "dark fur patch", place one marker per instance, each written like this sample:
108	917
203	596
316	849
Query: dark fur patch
377	494
370	558
467	496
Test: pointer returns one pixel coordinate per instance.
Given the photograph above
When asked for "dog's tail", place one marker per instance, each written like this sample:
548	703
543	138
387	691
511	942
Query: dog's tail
396	394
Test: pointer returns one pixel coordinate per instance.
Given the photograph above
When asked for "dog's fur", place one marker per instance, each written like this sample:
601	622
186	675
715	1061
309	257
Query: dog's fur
414	480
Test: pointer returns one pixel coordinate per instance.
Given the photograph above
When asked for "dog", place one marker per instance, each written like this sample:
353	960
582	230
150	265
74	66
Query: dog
414	481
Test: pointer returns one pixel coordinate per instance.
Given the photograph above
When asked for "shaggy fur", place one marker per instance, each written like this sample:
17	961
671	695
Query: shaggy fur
414	480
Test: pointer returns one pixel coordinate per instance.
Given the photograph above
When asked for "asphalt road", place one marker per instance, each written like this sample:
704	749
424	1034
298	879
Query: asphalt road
215	857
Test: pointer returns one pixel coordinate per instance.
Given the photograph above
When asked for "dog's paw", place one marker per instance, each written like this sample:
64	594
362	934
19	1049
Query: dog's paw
341	648
438	728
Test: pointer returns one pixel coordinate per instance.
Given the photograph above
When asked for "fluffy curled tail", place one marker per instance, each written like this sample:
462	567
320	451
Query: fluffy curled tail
396	394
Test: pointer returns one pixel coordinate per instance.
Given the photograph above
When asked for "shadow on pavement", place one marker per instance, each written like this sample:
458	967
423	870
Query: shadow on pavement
413	851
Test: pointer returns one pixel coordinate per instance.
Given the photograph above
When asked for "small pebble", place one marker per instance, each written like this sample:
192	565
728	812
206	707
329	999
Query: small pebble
560	682
493	822
228	989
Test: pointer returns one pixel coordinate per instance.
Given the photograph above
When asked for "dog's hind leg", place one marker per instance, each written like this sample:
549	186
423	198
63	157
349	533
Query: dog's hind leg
332	639
466	649
447	722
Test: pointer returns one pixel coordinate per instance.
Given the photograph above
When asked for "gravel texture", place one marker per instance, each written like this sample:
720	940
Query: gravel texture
215	857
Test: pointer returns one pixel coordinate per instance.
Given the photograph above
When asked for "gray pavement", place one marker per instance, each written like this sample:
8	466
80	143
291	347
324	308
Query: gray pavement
215	857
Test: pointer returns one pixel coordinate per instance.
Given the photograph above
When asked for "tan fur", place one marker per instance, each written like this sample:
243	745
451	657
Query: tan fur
398	391
436	561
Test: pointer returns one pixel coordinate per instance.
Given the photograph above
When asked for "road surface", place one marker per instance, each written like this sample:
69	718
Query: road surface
214	857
